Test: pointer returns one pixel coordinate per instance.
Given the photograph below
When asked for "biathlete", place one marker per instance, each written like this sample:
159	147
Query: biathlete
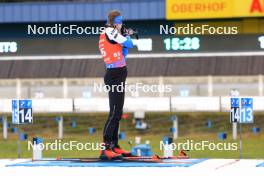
114	45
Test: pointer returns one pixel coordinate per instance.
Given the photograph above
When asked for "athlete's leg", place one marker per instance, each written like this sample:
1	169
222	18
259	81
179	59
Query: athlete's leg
115	136
108	128
120	97
116	102
118	114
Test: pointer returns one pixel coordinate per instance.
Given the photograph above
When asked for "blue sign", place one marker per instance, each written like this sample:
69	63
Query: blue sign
22	111
246	110
241	110
234	113
235	102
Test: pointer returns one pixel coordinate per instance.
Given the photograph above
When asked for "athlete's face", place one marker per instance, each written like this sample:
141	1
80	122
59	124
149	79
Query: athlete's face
118	27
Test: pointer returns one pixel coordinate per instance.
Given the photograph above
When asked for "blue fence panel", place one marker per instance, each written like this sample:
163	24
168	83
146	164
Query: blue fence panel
44	12
53	10
81	11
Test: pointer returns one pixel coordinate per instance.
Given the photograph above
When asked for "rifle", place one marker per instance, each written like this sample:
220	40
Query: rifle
129	31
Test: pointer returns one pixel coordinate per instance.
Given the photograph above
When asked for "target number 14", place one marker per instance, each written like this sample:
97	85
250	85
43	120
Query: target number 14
22	111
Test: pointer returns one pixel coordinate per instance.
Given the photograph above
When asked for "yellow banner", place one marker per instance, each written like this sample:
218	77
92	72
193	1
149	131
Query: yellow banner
201	9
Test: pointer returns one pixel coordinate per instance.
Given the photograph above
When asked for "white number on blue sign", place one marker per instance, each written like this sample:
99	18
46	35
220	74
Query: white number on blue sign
246	115
25	115
234	113
22	111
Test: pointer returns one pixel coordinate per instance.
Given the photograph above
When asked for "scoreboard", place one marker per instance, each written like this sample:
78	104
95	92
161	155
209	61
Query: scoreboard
85	45
215	43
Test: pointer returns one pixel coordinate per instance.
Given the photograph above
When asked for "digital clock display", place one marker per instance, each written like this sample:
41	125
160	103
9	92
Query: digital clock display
186	43
210	43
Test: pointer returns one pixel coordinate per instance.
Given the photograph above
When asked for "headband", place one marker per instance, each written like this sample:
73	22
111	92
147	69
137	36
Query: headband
117	20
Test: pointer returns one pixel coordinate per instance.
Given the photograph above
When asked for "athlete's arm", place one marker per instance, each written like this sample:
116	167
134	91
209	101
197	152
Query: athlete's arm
114	35
125	51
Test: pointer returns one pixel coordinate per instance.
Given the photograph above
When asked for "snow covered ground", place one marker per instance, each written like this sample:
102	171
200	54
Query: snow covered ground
209	167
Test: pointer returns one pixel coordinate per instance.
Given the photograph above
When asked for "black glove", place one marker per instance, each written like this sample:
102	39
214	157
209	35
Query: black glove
128	31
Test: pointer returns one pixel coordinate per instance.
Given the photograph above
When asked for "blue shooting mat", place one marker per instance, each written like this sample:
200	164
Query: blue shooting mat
164	163
260	164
